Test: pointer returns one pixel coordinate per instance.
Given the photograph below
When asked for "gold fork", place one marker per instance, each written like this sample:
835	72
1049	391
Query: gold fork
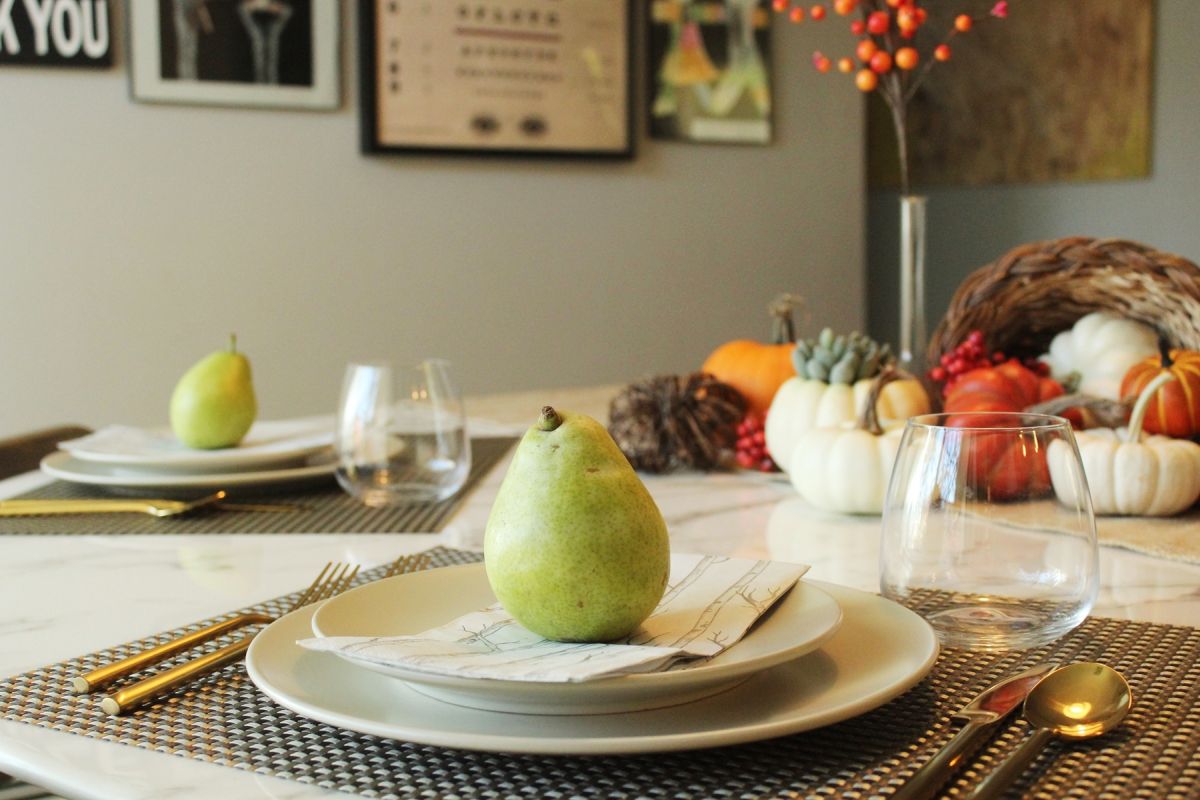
332	580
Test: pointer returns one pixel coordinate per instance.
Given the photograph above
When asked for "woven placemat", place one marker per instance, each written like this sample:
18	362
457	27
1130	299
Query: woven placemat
224	719
324	509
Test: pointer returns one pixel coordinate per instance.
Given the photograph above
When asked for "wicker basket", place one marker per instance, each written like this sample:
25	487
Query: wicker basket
1036	290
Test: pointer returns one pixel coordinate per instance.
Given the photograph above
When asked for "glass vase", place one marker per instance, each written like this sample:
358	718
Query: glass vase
913	334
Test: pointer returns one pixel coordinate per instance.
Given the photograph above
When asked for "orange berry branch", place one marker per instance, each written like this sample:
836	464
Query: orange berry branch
886	56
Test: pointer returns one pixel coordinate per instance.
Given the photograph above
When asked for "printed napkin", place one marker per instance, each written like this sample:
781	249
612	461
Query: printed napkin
709	604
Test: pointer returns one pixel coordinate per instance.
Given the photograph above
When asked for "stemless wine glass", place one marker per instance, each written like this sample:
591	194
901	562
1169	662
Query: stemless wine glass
401	434
988	529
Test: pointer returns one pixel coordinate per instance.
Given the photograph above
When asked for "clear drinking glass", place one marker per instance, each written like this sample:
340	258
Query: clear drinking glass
974	536
401	434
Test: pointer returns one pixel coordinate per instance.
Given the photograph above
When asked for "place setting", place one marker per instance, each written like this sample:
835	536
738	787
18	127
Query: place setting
553	646
397	455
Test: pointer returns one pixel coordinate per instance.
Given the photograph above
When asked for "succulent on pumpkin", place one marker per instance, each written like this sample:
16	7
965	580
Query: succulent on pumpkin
841	358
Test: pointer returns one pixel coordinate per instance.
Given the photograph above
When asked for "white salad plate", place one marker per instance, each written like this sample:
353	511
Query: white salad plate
881	650
64	466
275	444
408	604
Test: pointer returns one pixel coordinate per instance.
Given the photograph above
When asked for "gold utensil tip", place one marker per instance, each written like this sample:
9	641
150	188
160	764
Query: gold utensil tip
983	714
1076	702
332	580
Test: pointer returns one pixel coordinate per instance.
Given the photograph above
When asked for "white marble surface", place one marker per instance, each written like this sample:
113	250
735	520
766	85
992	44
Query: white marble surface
62	596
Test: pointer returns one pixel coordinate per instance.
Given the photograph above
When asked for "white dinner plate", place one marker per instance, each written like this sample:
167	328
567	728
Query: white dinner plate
271	443
64	466
406	604
881	650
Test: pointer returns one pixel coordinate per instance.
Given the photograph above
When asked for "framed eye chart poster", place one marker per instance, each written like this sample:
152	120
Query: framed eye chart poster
515	77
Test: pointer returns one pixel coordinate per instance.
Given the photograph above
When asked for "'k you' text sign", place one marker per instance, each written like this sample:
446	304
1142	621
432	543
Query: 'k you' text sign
70	33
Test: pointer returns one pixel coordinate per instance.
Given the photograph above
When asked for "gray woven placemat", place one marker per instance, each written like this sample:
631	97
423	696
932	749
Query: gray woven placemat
321	509
224	719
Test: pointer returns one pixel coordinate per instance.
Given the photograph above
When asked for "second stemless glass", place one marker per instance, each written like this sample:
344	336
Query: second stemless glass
401	434
974	537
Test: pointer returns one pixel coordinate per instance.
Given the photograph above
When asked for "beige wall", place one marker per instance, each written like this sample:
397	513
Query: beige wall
135	237
971	227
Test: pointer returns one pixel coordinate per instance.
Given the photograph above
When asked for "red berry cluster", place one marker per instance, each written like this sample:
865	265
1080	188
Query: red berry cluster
884	35
751	449
971	354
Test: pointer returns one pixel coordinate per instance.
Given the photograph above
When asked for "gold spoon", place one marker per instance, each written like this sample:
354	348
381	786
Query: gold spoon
1076	702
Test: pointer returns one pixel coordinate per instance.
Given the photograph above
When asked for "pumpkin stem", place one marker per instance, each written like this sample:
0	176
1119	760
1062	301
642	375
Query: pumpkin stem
549	420
868	420
1134	434
783	328
1164	353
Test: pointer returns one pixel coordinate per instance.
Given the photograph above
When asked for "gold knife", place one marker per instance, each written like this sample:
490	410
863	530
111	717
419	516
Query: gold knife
154	507
983	713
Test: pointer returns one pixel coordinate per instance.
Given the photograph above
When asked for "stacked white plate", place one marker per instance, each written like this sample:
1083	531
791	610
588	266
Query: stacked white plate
823	654
273	453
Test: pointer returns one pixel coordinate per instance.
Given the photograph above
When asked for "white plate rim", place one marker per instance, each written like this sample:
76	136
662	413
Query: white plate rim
908	629
709	673
228	458
62	465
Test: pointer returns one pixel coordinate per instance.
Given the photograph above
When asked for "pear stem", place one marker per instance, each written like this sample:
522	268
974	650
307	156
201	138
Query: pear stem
233	342
549	420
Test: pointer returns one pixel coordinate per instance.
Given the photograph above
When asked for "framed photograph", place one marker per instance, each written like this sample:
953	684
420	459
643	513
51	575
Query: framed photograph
710	71
514	77
275	53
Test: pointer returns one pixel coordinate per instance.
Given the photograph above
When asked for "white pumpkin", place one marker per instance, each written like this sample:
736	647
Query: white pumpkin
846	468
803	403
1099	349
1129	473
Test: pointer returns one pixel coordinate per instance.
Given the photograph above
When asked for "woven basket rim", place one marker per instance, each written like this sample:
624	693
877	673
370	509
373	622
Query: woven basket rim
1024	298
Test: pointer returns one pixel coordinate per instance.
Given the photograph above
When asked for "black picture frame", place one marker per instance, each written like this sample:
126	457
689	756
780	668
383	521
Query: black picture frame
616	141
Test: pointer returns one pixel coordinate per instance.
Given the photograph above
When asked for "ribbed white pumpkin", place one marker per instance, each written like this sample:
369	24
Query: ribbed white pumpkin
1127	472
1100	348
802	403
845	468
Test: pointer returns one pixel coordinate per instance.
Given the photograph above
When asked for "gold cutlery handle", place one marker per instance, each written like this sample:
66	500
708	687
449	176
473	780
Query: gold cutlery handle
1010	768
133	696
34	508
102	676
934	774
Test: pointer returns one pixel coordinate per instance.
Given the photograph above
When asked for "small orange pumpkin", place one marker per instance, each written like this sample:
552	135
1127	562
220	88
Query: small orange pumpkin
1174	410
755	369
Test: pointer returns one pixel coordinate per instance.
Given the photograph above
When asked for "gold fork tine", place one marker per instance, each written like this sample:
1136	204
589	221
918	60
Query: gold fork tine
403	564
332	580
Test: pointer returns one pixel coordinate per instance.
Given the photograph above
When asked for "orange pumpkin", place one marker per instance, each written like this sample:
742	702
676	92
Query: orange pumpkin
1008	470
755	369
1174	409
1010	386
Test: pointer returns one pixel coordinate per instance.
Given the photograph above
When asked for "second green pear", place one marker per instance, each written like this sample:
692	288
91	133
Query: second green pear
213	404
575	547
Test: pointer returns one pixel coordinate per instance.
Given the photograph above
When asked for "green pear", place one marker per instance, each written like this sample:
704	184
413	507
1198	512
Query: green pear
213	404
575	548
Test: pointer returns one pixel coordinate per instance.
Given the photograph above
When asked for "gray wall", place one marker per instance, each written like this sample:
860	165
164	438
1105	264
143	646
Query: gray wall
969	228
136	237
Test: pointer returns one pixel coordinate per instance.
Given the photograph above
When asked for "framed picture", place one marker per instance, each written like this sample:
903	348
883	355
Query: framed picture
513	77
710	70
275	53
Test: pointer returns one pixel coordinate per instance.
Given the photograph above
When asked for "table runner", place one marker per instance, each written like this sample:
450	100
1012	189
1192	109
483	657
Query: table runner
224	719
324	510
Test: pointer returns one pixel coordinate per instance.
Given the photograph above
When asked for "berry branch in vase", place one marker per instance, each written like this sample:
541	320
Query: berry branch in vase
887	56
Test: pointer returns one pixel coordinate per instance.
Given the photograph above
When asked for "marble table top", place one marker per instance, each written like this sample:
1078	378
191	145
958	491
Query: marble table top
62	596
